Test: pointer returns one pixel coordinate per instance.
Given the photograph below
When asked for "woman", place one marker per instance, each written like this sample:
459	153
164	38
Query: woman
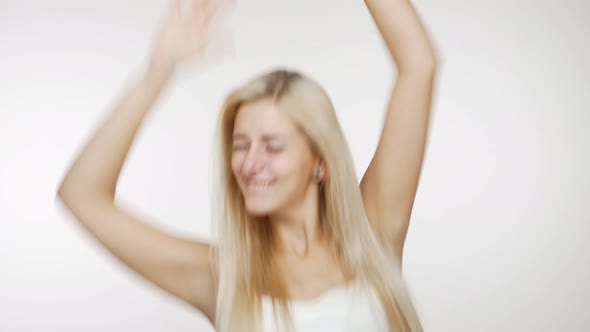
301	244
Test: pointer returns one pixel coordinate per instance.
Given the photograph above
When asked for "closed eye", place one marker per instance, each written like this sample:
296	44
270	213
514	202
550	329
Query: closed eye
274	149
239	147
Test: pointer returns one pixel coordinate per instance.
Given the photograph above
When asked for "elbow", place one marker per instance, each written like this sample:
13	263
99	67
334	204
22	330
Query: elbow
423	65
75	187
70	192
66	189
62	198
76	199
61	191
424	61
430	64
64	194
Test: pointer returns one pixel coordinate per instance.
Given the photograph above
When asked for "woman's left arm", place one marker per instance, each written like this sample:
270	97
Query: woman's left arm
390	183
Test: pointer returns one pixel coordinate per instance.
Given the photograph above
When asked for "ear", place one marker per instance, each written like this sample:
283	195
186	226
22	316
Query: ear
321	168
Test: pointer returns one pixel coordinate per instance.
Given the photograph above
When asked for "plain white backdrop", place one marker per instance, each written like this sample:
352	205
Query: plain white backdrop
500	229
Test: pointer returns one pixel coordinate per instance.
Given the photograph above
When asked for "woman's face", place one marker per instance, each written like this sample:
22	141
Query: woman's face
271	159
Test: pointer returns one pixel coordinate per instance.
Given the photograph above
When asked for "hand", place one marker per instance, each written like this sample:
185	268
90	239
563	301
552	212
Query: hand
193	34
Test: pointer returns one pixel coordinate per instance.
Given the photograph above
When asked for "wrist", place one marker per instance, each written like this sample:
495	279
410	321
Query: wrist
160	66
158	74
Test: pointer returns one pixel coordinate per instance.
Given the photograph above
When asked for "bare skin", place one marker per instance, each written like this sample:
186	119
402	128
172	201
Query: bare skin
175	264
181	266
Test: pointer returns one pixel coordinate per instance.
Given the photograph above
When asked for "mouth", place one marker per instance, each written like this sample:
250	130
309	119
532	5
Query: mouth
259	186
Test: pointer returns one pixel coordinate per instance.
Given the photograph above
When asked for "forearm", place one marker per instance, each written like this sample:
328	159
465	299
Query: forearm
97	167
405	36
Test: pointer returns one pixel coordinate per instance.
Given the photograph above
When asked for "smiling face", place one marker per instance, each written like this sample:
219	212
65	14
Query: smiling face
271	159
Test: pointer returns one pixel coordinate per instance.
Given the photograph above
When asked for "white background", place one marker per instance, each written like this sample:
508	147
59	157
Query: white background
499	236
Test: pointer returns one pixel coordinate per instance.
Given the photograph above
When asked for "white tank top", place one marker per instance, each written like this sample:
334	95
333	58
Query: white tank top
346	308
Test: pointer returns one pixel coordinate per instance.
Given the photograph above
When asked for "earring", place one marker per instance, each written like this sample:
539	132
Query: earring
317	174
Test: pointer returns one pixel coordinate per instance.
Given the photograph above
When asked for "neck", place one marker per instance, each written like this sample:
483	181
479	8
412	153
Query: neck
298	230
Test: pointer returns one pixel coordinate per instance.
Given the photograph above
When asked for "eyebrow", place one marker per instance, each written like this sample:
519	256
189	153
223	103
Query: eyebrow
266	137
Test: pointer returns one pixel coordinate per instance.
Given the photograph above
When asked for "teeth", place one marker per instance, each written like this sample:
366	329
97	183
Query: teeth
259	185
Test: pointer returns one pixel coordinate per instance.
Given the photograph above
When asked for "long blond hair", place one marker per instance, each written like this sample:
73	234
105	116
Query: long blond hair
245	256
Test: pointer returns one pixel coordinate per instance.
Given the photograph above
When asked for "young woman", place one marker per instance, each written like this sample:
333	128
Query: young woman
301	244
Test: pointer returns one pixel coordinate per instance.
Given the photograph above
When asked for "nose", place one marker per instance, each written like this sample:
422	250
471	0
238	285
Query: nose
253	162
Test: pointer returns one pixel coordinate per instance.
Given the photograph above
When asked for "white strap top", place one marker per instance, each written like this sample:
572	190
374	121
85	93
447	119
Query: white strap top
346	308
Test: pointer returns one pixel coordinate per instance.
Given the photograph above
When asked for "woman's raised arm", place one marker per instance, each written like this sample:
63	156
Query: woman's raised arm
180	266
390	183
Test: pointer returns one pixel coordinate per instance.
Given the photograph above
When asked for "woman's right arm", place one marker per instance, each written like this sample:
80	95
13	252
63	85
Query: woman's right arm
179	266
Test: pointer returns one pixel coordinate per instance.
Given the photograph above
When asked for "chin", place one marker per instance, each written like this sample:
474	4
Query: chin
259	210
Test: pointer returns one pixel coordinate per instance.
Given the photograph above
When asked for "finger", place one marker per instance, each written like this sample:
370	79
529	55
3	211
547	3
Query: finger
174	9
196	14
223	8
216	10
219	46
218	15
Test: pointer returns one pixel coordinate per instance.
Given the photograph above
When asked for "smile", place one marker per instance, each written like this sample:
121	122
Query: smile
259	185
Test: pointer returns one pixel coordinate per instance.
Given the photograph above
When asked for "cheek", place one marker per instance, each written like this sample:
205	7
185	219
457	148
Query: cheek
283	166
293	170
236	163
